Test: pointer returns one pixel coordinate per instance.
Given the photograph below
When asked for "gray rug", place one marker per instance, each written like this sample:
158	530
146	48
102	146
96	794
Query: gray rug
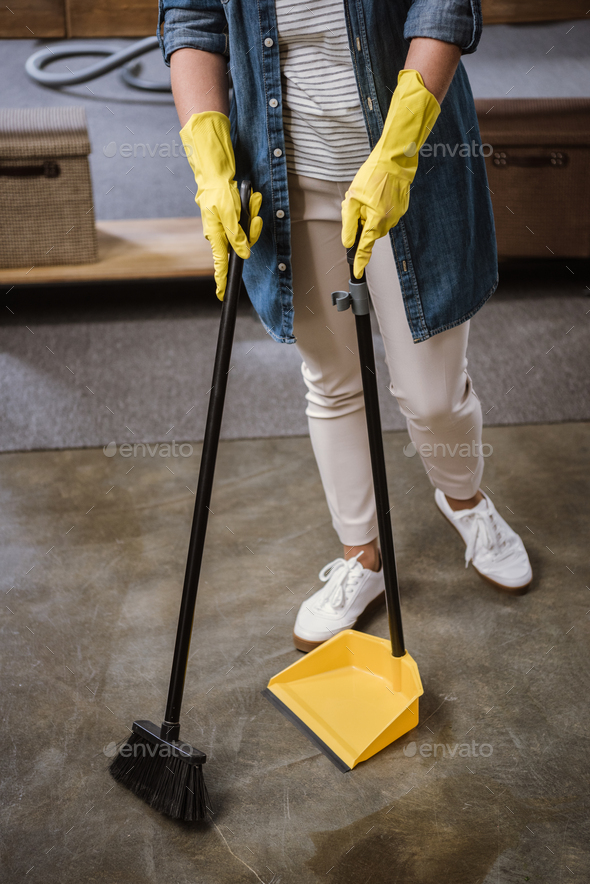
88	373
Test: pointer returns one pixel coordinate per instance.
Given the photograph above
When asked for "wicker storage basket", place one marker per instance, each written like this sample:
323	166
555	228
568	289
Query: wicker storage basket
539	174
46	202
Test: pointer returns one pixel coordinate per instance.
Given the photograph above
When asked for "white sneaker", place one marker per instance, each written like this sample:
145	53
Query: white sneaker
350	591
495	550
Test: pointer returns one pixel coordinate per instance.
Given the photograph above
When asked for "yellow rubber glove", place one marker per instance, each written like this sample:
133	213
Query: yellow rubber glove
380	192
207	142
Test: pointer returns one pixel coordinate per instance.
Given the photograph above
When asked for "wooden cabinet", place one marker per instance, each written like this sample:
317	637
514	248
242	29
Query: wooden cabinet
138	18
111	18
78	18
33	18
507	11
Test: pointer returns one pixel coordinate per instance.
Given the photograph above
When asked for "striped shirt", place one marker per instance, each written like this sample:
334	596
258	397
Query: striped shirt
325	134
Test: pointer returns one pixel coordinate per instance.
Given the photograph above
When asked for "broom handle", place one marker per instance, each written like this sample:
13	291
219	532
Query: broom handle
171	724
369	376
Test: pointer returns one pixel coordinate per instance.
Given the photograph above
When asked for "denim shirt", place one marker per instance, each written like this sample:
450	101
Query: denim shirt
445	245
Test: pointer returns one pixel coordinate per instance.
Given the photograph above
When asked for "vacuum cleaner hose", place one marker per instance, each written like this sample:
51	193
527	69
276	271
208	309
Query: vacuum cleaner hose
115	57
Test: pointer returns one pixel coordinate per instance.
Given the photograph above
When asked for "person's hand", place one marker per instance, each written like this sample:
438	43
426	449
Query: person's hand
380	192
207	142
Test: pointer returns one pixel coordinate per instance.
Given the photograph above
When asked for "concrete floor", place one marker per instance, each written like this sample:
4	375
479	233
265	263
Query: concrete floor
92	562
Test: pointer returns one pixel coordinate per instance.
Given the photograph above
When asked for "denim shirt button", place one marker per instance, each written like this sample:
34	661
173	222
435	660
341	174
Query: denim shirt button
269	42
282	266
273	102
280	213
278	152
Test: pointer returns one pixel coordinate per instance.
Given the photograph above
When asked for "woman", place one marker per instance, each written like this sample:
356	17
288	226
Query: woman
334	103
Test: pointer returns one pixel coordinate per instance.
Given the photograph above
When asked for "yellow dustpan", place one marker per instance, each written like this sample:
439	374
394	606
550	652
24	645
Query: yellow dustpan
357	693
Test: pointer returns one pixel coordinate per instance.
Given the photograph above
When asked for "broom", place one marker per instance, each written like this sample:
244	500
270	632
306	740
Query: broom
153	763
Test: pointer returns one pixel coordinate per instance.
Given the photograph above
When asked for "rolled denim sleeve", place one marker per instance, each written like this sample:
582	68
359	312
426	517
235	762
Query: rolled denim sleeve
454	21
192	24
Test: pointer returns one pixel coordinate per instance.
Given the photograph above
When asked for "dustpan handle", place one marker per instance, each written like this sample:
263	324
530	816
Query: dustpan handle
360	306
171	725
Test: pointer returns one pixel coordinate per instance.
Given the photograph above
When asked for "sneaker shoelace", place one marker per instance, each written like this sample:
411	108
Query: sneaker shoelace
487	535
343	576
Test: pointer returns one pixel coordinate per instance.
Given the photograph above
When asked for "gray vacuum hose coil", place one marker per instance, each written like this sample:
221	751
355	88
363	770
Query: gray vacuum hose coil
115	58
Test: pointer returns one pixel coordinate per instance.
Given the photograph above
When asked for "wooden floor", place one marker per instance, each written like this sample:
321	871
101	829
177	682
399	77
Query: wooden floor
132	249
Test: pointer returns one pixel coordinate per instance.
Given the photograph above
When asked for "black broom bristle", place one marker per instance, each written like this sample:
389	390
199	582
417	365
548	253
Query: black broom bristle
168	783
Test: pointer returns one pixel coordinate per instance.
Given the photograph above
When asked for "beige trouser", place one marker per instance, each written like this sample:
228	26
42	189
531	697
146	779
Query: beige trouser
429	379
